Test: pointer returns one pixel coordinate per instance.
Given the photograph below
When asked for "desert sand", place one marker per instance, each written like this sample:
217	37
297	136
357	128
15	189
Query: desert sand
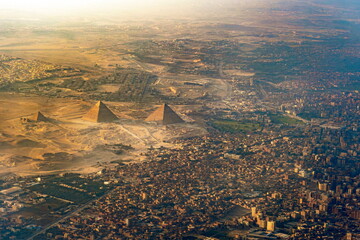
68	143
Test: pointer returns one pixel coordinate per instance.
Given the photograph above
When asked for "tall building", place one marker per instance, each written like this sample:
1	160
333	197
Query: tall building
254	212
251	82
128	222
270	226
323	186
262	223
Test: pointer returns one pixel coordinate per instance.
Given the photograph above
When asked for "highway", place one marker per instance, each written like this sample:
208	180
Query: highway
70	214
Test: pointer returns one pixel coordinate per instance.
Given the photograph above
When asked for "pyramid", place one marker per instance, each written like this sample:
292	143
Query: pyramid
37	117
100	113
164	115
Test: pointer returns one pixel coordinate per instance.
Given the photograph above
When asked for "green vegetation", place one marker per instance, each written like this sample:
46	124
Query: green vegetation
282	119
51	204
309	115
228	125
74	180
65	193
71	187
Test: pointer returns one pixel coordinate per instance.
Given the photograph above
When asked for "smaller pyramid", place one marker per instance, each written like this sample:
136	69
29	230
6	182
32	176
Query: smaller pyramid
164	115
100	113
38	117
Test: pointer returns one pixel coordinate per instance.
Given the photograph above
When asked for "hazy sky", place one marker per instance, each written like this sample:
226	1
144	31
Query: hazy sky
102	6
144	7
68	4
63	6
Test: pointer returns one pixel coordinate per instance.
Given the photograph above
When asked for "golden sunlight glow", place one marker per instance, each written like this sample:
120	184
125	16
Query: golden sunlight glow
73	5
45	4
119	7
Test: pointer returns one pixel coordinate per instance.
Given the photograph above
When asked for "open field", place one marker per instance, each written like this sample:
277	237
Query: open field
232	126
282	119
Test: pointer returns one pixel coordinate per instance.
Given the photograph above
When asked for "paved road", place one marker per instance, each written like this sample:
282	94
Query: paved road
66	216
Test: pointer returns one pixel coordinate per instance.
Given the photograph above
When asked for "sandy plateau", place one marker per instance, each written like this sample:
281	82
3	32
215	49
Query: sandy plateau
66	143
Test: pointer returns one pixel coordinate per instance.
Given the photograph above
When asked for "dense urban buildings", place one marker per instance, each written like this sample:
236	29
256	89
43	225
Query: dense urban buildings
239	121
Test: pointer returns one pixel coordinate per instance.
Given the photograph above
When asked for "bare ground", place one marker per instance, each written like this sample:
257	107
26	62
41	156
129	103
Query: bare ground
67	143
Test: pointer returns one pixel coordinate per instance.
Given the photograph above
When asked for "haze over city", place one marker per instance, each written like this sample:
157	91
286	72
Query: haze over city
231	119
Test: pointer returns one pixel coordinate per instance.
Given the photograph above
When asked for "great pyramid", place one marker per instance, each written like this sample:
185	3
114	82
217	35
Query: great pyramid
164	115
37	117
100	113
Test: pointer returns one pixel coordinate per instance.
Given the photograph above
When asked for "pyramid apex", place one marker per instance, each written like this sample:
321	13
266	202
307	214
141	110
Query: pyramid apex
165	115
100	113
38	116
